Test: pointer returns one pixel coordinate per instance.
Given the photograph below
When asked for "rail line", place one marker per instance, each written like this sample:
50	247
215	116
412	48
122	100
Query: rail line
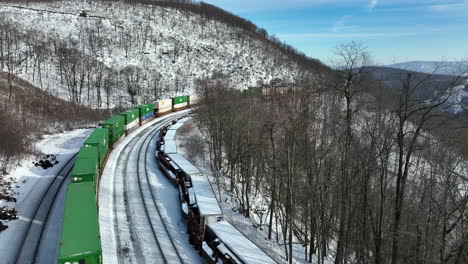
152	196
127	182
31	240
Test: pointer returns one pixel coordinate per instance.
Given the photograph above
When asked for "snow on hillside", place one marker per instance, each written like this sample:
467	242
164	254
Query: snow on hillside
458	99
134	52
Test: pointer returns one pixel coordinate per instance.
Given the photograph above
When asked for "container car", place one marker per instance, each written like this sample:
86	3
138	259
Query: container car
179	103
100	140
88	153
163	107
146	113
80	240
85	170
132	119
116	128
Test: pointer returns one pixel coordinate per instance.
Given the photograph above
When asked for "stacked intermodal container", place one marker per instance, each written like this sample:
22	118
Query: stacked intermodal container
146	112
100	140
80	241
179	102
163	106
116	128
132	118
88	153
85	170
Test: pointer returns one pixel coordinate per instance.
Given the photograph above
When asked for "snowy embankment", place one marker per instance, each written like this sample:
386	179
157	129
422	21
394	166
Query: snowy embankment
31	182
248	226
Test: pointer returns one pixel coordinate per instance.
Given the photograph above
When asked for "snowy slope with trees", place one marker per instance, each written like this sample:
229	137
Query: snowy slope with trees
126	53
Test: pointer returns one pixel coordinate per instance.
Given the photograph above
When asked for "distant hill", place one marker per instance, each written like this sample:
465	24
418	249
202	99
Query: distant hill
438	67
435	85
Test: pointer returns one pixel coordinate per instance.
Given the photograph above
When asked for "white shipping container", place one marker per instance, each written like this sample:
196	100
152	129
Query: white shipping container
131	124
177	106
163	104
165	109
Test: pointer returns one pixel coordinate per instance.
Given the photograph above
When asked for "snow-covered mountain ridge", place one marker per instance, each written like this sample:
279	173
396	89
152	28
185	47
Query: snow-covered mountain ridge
122	54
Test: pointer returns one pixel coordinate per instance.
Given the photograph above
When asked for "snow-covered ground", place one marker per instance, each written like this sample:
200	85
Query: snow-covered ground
458	99
31	182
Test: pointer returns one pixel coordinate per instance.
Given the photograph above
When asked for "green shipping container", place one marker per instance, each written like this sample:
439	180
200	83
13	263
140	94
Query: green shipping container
85	170
146	109
88	153
116	127
100	140
130	115
80	241
179	100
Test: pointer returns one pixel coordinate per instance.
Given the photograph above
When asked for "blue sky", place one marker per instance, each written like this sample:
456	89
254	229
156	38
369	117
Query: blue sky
393	30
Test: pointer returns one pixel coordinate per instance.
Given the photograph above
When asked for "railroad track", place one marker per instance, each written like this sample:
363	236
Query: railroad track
141	233
32	237
149	199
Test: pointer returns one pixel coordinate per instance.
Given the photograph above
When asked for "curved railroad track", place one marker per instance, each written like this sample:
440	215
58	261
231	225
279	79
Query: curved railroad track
151	204
140	231
31	238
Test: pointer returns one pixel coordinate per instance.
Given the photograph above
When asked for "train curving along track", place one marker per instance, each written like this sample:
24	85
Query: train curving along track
31	238
140	232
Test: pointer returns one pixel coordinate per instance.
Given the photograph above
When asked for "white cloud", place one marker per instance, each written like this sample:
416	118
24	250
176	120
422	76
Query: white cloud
373	4
340	24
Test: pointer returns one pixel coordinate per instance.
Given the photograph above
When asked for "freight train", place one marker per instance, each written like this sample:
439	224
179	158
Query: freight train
80	238
217	240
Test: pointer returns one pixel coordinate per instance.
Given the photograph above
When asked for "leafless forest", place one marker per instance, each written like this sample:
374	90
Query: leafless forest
127	58
354	178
